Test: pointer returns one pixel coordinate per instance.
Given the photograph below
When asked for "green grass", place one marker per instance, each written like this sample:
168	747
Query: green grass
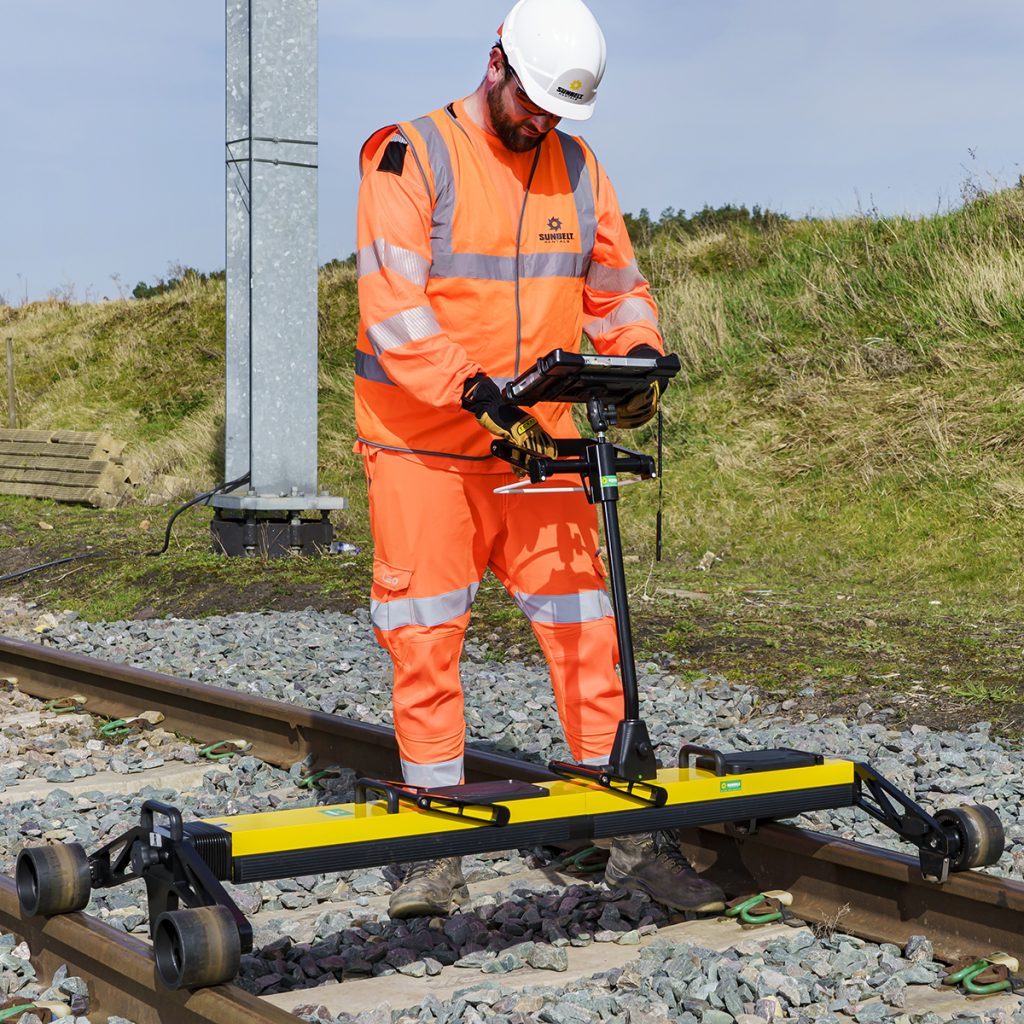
847	435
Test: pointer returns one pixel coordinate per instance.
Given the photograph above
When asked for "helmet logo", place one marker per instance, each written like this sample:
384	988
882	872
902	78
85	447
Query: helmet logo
573	92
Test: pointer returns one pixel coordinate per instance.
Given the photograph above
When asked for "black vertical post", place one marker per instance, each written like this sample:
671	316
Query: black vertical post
623	630
632	755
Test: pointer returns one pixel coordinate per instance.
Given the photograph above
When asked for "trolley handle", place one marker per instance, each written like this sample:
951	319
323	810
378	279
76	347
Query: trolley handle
364	787
698	751
171	813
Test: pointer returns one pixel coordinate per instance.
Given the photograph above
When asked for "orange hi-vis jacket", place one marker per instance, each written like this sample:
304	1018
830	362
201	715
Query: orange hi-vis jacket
474	258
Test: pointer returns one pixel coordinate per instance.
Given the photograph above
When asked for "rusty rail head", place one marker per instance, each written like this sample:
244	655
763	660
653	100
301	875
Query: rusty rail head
121	973
279	733
868	891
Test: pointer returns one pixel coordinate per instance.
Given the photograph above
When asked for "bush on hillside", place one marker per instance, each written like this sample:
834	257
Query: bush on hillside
178	276
643	229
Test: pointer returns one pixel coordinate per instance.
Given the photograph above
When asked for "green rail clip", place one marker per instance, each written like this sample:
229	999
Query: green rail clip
222	750
115	728
315	778
16	1011
587	861
48	1009
761	908
62	706
983	977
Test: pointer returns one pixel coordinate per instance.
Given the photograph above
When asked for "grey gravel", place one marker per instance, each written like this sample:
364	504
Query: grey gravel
331	662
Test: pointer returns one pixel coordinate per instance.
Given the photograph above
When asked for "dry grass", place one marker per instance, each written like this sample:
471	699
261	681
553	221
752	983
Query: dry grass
853	391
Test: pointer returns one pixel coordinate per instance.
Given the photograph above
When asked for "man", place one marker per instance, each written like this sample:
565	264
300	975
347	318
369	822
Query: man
486	239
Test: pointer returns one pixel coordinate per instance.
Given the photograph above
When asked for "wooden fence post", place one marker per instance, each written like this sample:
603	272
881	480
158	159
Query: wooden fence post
12	415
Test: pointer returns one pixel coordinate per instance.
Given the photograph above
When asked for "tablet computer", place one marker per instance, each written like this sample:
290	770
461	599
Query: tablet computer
563	376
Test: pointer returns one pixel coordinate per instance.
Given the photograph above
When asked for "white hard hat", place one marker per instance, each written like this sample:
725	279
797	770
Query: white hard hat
557	49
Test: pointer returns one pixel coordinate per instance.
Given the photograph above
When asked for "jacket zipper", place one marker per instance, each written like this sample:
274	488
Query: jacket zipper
519	236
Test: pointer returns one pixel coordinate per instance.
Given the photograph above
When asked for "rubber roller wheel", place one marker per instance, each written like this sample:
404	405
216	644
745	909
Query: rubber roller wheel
196	948
979	831
53	879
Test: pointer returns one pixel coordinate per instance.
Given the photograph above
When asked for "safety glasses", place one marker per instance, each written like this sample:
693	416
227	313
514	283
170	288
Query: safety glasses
521	98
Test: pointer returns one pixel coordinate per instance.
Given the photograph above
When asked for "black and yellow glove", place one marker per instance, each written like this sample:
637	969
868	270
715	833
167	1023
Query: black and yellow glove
481	397
636	410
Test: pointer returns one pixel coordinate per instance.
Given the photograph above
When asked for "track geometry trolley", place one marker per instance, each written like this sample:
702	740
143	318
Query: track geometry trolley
199	932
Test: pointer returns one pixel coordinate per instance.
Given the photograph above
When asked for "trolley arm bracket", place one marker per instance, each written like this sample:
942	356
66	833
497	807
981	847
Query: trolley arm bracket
654	796
884	802
173	869
111	864
426	800
583	456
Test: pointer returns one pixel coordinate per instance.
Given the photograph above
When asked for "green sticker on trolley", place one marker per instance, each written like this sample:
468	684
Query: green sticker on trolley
336	812
730	785
611	480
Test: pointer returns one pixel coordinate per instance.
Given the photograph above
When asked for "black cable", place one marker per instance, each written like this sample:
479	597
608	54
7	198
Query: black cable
46	565
8	577
661	487
230	485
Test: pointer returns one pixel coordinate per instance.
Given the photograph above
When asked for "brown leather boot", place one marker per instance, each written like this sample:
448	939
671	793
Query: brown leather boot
431	887
652	862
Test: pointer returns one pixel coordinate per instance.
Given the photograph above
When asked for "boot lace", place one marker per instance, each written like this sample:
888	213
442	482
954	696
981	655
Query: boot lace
428	869
666	849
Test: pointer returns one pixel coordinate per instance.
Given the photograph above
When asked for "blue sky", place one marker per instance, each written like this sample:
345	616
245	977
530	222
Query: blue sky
113	114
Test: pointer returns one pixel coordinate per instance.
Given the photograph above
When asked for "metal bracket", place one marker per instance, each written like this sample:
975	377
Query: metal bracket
426	800
654	796
936	846
168	862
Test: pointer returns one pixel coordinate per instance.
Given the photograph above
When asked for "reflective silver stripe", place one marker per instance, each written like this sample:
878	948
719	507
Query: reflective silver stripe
422	611
443	773
381	255
368	367
555	264
480	267
501	381
597	762
614	279
444	187
475	265
400	329
629	311
582	192
563	608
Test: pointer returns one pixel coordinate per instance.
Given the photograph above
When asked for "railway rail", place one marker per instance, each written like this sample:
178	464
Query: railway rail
867	891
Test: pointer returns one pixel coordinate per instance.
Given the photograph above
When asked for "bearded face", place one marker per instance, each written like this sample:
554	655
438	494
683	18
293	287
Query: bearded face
519	129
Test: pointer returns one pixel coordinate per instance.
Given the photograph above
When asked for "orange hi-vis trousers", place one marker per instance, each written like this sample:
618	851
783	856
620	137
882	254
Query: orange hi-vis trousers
435	533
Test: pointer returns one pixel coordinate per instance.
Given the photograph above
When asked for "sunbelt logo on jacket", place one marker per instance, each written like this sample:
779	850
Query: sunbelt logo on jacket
554	232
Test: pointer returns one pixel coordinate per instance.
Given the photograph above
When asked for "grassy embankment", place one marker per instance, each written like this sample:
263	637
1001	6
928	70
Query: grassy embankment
848	441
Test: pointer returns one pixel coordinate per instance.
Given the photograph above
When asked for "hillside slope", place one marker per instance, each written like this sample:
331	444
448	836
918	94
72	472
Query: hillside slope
844	461
852	392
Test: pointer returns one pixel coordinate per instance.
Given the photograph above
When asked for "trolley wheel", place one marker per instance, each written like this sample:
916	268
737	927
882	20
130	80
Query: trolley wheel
197	947
53	879
979	831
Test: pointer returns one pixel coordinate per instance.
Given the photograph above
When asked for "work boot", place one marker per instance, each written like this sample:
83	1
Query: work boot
430	887
652	862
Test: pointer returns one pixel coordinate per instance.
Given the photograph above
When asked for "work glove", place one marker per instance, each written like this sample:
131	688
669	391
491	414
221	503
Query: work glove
481	397
639	408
